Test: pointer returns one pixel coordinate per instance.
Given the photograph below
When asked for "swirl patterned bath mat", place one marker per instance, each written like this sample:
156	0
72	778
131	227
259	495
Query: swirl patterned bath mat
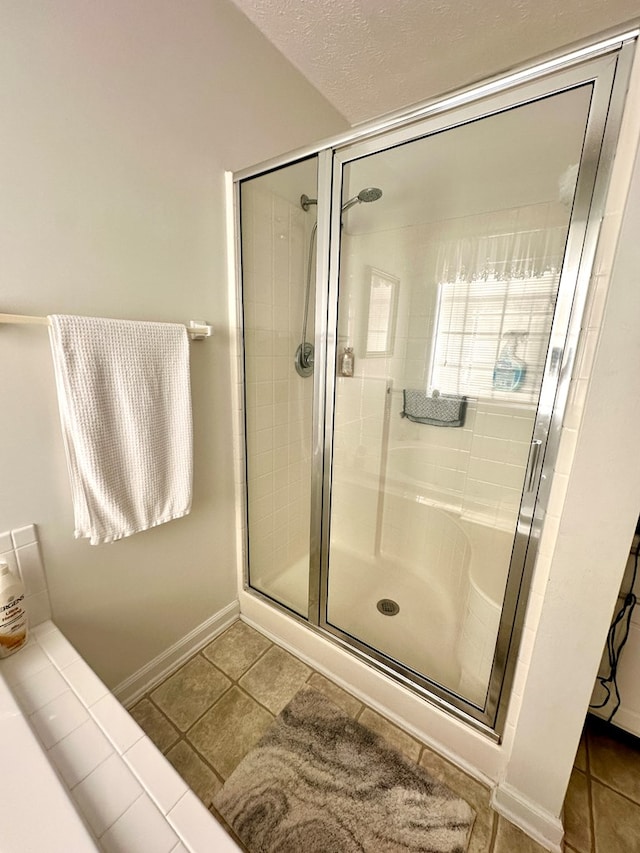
319	782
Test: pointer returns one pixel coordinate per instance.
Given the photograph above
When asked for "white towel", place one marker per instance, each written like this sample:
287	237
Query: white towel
125	407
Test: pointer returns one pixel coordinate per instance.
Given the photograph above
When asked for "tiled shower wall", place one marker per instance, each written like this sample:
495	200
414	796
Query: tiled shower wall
278	401
477	469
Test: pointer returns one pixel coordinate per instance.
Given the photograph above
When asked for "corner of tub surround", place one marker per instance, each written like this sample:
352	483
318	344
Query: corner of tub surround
90	740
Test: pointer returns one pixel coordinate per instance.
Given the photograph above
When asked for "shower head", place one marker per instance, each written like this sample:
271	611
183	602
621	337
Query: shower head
369	194
366	195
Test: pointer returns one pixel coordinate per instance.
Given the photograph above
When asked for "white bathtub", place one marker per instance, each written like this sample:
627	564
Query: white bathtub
78	772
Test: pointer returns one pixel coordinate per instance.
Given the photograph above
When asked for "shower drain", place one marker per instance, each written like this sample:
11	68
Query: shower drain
388	607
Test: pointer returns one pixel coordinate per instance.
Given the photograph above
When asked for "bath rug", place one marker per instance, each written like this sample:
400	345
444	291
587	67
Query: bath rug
319	782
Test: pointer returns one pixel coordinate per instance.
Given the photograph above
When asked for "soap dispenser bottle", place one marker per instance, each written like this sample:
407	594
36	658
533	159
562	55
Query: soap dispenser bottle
346	362
13	615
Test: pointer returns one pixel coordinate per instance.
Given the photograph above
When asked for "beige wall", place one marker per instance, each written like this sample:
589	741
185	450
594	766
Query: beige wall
118	121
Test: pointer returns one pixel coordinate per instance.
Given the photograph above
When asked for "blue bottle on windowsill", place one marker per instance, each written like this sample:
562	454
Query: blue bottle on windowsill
509	371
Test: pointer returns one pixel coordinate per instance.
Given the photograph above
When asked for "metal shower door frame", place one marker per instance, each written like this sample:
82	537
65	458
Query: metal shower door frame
607	69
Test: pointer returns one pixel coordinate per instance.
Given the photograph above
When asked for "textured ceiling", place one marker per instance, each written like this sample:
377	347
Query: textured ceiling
369	57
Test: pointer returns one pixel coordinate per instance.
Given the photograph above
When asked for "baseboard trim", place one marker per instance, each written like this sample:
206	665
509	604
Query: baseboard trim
132	688
540	825
624	718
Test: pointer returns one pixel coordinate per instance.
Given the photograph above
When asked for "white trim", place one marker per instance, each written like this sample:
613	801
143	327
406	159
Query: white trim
237	377
625	718
538	824
132	688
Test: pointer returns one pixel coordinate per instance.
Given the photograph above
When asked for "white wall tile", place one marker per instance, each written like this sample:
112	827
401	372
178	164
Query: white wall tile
140	829
549	535
153	770
120	727
6	542
566	451
58	648
106	793
23	663
31	568
58	718
35	691
84	682
607	240
585	353
11	560
596	301
576	403
24	536
198	829
80	752
38	608
557	494
46	627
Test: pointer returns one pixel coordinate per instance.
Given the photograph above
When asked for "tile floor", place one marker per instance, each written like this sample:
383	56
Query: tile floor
602	807
211	712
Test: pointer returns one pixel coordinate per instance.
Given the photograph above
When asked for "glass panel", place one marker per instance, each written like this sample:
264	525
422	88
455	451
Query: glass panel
278	287
434	417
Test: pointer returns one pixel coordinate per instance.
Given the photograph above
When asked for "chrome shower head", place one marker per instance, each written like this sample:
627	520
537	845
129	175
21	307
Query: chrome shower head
369	194
366	195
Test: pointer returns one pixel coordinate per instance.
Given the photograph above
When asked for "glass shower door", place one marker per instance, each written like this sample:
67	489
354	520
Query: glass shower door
452	246
277	250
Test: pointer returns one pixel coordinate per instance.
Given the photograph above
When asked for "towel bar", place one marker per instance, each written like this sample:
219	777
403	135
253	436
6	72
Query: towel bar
198	330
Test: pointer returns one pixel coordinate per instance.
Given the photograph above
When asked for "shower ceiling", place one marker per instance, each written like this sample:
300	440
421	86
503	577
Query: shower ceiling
370	57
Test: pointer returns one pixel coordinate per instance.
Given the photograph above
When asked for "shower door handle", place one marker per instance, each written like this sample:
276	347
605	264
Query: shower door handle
532	467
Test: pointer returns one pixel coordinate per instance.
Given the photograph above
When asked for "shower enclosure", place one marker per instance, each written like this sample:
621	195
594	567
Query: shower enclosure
411	296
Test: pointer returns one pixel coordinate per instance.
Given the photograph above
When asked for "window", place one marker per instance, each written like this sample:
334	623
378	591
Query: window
498	277
479	321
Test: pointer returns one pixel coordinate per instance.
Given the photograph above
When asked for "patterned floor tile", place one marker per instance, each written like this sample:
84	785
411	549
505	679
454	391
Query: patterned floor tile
188	693
227	732
616	821
577	820
510	839
614	758
154	724
275	679
349	704
237	649
199	777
